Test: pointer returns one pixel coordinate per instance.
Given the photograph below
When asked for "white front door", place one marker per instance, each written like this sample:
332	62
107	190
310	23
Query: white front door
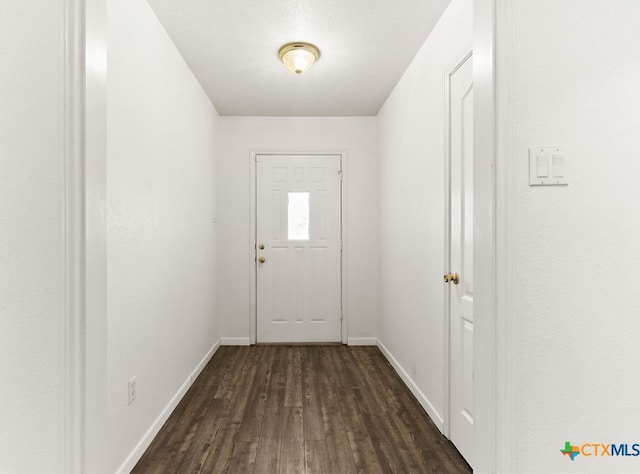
461	257
298	248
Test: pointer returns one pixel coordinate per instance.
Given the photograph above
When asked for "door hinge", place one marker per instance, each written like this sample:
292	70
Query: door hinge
340	174
341	246
341	314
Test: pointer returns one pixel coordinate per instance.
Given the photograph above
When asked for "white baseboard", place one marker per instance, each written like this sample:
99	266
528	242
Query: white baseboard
422	399
235	341
133	458
362	341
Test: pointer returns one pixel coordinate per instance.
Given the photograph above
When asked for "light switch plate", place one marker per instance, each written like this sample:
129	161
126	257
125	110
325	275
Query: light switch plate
548	166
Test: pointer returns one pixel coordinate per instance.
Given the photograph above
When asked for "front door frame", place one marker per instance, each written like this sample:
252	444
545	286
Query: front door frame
253	302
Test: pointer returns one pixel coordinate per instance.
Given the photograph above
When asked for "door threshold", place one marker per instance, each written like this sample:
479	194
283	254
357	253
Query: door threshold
298	343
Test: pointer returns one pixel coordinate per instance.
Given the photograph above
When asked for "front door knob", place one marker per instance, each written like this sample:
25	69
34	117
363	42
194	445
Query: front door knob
455	278
262	259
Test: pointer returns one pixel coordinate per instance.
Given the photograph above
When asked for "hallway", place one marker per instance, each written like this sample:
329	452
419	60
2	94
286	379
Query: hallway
483	209
268	409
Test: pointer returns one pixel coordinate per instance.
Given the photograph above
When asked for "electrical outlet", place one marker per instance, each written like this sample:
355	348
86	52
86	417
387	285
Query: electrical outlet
132	390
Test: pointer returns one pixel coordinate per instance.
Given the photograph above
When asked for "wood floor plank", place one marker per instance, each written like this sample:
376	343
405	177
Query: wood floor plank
292	446
313	420
256	403
233	366
219	456
338	448
293	389
300	409
193	457
325	374
316	456
362	449
267	456
243	457
242	387
237	390
380	433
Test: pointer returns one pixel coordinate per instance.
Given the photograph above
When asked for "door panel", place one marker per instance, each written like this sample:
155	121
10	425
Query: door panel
461	257
298	222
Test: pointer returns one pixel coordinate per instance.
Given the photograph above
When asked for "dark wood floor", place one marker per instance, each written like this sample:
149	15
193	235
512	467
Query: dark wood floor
296	409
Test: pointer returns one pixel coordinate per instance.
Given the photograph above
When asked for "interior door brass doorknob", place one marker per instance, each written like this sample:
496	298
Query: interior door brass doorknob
455	278
262	259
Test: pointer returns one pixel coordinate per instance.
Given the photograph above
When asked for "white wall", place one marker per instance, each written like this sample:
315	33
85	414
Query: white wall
411	209
576	75
32	220
161	192
241	135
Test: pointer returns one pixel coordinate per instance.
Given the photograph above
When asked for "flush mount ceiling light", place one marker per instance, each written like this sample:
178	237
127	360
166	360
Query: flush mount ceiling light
299	57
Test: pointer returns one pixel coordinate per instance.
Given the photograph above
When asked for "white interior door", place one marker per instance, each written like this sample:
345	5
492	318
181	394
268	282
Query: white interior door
461	257
298	248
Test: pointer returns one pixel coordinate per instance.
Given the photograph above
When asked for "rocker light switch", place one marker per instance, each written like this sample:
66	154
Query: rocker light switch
558	165
547	166
543	166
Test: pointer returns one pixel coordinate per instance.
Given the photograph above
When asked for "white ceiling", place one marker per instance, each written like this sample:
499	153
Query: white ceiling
232	48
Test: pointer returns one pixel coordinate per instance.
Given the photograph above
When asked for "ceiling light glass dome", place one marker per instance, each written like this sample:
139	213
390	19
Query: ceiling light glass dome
299	57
